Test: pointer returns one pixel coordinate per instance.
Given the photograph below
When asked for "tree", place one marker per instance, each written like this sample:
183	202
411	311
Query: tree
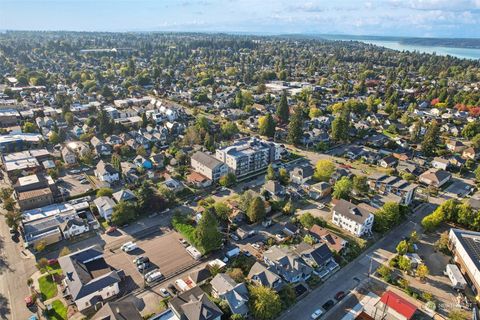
283	112
9	204
64	252
471	129
266	125
5	193
207	235
256	210
68	116
387	217
265	303
222	210
324	170
360	184
307	220
287	295
29	127
385	272
442	242
40	246
309	239
246	199
123	213
340	128
402	247
54	138
104	192
342	188
289	207
295	127
283	176
229	129
477	173
404	263
228	180
141	151
422	271
13	218
270	173
430	140
42	263
476	141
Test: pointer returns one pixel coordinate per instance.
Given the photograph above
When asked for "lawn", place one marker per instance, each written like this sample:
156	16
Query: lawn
58	311
48	287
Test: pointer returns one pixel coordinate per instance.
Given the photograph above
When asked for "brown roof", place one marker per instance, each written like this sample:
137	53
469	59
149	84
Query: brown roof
333	241
34	193
196	177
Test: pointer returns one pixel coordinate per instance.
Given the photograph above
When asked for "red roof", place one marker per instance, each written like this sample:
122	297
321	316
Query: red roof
399	304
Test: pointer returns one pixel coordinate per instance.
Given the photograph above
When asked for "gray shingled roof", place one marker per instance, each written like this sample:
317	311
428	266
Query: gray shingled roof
351	211
206	159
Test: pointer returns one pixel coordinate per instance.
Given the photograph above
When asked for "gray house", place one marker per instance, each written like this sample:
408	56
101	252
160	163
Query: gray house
287	264
236	294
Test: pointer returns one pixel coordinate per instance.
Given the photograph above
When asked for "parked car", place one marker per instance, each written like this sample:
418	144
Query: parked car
234	237
153	276
183	242
280	237
84	181
256	246
143	266
328	305
340	295
29	301
267	223
172	289
164	293
112	229
52	262
129	246
316	314
140	259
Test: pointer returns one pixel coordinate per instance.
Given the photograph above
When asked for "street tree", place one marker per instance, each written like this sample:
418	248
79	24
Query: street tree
207	235
266	125
256	210
342	188
324	170
265	303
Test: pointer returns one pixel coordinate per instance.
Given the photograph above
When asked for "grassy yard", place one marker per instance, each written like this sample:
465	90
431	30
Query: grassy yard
48	287
58	312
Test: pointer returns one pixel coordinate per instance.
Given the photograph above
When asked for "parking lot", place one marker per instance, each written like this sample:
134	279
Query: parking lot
74	184
164	251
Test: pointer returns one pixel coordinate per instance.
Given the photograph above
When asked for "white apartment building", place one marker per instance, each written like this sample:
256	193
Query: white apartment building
208	166
249	155
354	219
465	246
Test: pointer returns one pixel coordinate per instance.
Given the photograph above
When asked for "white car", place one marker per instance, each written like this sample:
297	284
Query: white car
316	314
154	276
129	246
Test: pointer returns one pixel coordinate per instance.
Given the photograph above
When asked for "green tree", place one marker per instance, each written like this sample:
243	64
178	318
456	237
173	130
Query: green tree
68	116
430	140
342	188
295	127
402	247
385	272
104	192
54	138
207	235
360	184
387	217
123	213
404	263
270	173
229	129
283	176
471	129
287	295
422	271
477	173
324	170
266	125
29	127
476	141
307	220
9	204
222	210
283	112
289	207
265	303
13	219
340	128
309	239
228	180
256	210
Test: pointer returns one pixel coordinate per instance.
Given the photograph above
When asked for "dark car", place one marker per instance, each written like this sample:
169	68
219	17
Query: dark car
328	305
172	289
340	295
144	266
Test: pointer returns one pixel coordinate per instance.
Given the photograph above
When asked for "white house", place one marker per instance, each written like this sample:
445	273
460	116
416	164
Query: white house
89	281
356	220
105	207
106	172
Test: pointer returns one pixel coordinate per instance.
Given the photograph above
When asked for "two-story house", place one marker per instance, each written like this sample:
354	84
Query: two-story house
287	264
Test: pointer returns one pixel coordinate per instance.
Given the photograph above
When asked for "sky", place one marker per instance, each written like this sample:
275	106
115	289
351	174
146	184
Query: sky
416	18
